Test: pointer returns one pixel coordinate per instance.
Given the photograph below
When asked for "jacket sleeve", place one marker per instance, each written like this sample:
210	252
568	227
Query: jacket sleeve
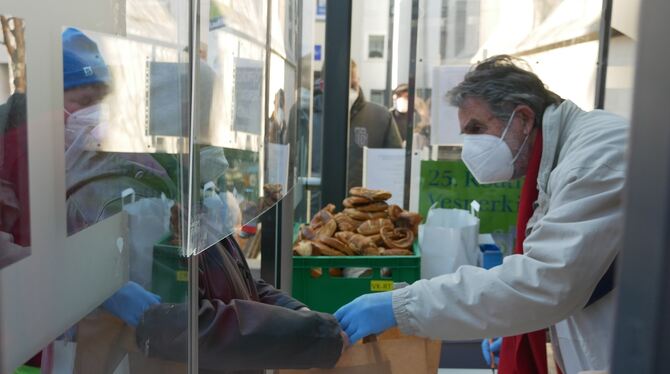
566	254
270	295
242	335
392	139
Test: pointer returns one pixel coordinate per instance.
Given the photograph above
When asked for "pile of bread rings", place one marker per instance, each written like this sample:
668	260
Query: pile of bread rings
368	226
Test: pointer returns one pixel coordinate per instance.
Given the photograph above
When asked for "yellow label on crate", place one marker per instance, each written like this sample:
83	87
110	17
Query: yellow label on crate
381	285
182	276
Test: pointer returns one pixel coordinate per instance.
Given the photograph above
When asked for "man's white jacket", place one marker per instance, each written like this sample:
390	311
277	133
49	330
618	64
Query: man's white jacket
572	238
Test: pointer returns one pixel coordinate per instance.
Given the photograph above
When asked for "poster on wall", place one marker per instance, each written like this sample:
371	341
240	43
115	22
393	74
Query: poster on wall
14	204
248	80
449	185
445	128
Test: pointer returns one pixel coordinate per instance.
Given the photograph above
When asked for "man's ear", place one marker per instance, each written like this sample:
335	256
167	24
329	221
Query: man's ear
527	116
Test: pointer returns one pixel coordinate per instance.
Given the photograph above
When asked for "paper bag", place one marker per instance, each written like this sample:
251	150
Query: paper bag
448	240
391	353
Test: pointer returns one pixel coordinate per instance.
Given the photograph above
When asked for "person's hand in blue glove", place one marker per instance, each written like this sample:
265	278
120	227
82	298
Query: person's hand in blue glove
366	315
489	348
130	302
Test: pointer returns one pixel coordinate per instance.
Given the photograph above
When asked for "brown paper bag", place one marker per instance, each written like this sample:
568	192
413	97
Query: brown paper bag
98	343
391	353
104	340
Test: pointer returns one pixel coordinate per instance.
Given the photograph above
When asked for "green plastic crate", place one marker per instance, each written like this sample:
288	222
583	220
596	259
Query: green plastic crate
327	293
169	277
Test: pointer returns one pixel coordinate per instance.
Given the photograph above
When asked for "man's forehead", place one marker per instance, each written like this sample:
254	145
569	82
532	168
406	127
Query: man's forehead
475	105
474	108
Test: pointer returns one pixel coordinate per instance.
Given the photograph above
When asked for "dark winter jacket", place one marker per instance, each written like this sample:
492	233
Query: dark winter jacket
370	125
243	324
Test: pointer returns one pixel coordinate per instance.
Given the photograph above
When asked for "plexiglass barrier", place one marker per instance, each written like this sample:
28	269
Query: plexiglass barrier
106	276
246	132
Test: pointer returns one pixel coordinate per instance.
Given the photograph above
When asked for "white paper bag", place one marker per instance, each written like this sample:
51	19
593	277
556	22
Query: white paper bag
448	239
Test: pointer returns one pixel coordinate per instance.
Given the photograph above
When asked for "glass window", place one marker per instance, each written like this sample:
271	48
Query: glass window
377	96
376	46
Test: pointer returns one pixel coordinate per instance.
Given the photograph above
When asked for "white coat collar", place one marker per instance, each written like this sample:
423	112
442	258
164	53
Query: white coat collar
555	122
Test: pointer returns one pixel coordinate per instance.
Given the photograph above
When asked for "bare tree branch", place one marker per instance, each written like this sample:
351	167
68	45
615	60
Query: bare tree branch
16	50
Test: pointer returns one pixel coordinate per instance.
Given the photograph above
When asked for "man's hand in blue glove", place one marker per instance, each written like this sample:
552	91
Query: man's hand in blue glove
366	315
130	302
489	348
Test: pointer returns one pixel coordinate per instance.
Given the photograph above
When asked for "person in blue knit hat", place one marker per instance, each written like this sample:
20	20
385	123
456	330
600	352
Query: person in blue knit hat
91	198
82	62
86	82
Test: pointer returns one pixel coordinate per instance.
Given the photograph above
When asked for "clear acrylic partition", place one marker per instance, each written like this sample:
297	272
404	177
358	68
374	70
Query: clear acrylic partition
284	35
14	199
125	112
244	136
229	126
107	281
558	39
315	167
302	117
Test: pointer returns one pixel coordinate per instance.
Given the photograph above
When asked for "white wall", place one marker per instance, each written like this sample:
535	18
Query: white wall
620	76
369	18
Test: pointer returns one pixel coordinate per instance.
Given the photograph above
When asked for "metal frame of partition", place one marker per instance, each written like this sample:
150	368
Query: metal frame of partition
603	53
409	143
336	96
389	61
192	259
277	222
642	326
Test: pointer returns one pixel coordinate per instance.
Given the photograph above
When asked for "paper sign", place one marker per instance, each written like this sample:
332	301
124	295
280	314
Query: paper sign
445	128
248	83
384	169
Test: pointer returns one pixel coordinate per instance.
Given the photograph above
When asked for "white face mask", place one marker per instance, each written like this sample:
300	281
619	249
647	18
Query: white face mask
90	116
353	95
401	105
280	115
488	157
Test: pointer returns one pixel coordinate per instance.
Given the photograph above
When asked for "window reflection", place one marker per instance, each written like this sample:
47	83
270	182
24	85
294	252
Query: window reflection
120	162
14	201
108	147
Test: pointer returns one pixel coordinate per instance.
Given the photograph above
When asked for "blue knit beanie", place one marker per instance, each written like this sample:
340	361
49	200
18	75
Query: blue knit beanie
82	62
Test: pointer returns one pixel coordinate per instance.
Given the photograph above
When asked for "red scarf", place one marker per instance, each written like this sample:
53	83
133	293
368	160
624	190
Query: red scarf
526	354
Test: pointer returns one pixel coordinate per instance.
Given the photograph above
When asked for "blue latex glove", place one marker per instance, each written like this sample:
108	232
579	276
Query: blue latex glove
366	315
494	347
130	302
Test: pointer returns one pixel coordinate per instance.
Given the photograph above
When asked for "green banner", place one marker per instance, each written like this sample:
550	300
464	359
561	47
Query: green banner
451	186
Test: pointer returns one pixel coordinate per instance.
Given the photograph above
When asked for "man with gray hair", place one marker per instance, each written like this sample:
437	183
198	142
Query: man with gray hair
568	230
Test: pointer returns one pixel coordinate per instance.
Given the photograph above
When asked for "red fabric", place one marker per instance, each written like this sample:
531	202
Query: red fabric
527	353
14	146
